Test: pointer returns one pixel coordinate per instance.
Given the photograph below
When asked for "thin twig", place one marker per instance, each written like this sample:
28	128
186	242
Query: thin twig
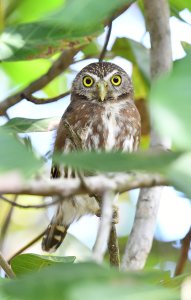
6	267
113	248
14	204
103	52
28	245
36	100
183	253
6	223
102	238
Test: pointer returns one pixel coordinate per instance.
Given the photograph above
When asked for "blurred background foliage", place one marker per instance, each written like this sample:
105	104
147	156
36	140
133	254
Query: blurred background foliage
32	37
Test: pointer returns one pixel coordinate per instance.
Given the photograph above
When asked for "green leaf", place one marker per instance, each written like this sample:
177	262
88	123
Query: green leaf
69	27
29	10
117	161
18	72
92	49
170	104
186	47
91	281
23	125
14	156
136	53
180	5
180	174
27	263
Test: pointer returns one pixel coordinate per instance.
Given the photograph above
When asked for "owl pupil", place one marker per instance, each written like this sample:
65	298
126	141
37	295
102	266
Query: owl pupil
115	80
88	81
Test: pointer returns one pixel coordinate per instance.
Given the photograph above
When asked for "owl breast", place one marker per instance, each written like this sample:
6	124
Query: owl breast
113	128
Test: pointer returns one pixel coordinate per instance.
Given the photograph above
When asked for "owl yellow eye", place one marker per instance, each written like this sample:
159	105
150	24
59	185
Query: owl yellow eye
116	80
88	81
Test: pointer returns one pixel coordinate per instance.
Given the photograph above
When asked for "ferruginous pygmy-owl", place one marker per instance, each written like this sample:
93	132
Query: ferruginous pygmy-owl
103	114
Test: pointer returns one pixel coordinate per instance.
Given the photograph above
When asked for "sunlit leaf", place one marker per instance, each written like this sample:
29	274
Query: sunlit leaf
24	72
26	263
29	10
69	27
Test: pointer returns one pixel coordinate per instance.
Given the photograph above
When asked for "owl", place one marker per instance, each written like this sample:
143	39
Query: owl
103	115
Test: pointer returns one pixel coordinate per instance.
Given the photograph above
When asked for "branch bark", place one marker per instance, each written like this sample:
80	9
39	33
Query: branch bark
14	184
141	237
6	267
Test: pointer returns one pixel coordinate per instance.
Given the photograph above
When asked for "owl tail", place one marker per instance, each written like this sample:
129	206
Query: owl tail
55	233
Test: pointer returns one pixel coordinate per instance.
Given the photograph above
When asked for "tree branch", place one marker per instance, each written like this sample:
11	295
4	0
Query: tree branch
183	253
113	248
35	100
6	267
14	204
103	52
14	184
6	223
141	237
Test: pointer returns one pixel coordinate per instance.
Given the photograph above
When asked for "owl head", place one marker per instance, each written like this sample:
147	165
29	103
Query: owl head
103	82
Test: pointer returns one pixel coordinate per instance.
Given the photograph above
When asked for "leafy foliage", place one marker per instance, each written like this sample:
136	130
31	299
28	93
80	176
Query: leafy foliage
170	102
27	263
33	30
58	30
67	281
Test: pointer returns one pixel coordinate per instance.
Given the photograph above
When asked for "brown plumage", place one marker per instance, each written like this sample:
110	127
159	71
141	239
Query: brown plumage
103	115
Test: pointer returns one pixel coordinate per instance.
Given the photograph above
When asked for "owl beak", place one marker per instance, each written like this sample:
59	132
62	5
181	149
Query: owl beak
102	89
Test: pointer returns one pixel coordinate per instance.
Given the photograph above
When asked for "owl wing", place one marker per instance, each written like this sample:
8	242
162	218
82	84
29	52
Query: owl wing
70	135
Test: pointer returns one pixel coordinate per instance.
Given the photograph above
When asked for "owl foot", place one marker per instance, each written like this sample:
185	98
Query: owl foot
115	217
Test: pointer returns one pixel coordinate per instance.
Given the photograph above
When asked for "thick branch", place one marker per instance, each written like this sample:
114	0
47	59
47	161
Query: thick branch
140	240
13	184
